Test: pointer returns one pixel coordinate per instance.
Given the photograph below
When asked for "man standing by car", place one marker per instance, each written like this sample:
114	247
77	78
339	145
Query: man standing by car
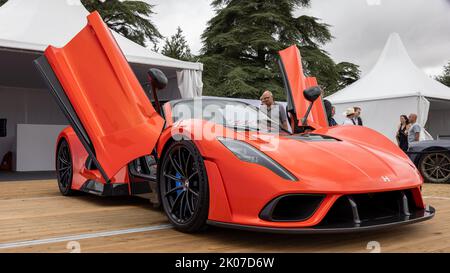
357	117
414	129
268	104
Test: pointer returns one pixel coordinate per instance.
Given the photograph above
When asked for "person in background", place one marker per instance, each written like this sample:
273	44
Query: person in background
350	117
330	111
268	104
402	133
358	118
414	129
333	112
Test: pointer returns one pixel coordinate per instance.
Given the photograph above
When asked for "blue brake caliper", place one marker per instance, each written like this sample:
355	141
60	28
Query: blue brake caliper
178	183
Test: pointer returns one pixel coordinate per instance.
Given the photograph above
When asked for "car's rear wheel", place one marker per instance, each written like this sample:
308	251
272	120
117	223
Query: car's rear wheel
183	187
435	167
64	168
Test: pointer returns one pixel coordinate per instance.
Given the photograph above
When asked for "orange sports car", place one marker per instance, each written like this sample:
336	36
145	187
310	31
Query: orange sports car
221	161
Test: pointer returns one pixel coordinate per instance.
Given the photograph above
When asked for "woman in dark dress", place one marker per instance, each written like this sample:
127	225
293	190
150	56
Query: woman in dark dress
402	133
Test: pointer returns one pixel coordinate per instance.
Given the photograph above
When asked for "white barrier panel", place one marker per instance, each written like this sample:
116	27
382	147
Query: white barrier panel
36	147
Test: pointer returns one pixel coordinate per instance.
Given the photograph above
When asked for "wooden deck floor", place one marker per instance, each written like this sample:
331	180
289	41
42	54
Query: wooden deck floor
35	218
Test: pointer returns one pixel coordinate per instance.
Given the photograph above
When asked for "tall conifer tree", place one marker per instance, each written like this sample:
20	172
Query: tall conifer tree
445	77
240	47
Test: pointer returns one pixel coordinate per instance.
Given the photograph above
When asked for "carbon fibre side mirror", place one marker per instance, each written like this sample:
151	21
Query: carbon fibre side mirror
157	78
312	94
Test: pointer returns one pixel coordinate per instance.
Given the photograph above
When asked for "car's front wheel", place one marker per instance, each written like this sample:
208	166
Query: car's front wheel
64	168
183	186
435	167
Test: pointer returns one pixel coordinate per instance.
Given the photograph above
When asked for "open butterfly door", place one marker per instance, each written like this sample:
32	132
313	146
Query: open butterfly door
295	83
100	95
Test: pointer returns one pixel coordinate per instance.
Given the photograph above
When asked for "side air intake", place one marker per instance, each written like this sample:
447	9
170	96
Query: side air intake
291	208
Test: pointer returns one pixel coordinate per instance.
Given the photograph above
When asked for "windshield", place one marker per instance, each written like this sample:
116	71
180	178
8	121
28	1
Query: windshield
233	114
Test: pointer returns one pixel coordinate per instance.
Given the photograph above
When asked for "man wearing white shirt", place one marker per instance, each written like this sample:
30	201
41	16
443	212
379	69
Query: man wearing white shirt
268	103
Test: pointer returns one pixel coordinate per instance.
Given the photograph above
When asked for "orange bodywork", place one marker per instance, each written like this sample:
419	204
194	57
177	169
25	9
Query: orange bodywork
239	190
123	126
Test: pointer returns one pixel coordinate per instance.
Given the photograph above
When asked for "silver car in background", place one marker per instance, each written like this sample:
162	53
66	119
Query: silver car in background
432	158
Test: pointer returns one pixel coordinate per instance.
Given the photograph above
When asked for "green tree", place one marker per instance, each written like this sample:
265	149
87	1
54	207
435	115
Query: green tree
129	18
241	42
177	47
445	77
3	2
348	74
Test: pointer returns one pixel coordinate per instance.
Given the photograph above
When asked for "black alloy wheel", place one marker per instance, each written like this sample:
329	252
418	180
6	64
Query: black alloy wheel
183	187
64	168
435	167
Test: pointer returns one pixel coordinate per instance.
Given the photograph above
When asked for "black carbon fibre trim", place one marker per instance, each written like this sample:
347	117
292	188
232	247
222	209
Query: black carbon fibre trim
287	87
100	189
419	216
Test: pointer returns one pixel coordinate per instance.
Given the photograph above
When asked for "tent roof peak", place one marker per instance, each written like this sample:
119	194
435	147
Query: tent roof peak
394	54
394	75
32	25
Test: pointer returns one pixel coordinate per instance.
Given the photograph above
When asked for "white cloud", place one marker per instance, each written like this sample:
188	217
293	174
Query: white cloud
361	30
360	27
190	15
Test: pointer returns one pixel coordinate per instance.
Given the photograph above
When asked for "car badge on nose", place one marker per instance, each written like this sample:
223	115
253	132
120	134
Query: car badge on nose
386	179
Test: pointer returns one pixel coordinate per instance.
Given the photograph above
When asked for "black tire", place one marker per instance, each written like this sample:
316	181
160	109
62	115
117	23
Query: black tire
64	168
435	167
183	187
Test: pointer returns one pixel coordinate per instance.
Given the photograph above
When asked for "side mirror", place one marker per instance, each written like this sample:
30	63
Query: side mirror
158	81
312	94
157	78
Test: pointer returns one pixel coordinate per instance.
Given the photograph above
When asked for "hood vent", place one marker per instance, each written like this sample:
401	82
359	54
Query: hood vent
313	138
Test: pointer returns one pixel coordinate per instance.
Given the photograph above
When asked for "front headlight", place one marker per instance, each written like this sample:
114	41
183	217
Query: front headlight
248	153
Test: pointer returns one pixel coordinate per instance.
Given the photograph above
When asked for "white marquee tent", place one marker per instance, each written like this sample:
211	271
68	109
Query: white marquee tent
26	28
396	86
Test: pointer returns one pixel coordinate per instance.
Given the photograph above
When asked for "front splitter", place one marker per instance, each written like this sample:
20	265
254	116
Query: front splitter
367	225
